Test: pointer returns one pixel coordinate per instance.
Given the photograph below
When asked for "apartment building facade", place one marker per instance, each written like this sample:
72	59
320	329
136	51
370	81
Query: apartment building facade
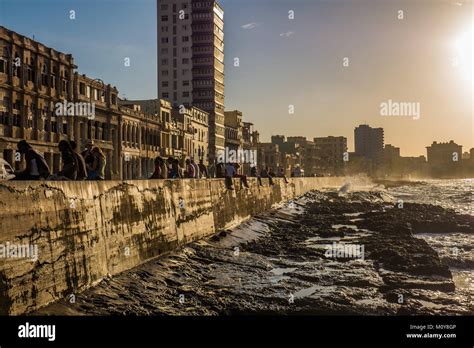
233	130
196	132
369	143
331	152
39	90
191	61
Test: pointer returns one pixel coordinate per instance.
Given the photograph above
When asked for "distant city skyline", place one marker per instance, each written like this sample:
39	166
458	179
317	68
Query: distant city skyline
424	58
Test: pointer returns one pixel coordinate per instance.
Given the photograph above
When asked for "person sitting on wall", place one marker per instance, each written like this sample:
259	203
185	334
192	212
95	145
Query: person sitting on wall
175	171
190	170
169	162
159	172
229	174
281	174
96	171
265	174
69	160
203	169
197	172
243	177
254	174
220	170
82	168
36	166
88	156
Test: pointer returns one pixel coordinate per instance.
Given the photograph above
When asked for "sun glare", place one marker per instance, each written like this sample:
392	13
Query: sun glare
463	54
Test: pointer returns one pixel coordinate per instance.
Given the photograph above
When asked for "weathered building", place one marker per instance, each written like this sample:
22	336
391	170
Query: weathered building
195	132
330	153
369	143
45	101
233	130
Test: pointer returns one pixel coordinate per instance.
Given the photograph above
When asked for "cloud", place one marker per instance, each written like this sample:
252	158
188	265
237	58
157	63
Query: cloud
287	34
250	26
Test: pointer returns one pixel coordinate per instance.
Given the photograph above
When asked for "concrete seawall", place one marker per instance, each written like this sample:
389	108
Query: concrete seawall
85	231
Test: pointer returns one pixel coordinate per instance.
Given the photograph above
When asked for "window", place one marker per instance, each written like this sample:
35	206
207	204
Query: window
164	40
164	51
185	49
164	72
82	88
185	38
186	83
164	29
164	84
3	65
166	95
185	60
114	99
164	7
185	72
31	71
164	18
44	75
185	94
164	61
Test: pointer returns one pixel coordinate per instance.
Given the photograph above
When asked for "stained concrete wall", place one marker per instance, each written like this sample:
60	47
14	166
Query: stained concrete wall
85	231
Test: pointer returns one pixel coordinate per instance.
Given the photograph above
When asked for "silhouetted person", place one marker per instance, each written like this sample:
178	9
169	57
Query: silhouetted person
88	156
190	171
265	174
253	172
229	174
203	169
175	170
36	166
160	169
220	170
197	173
281	174
243	178
70	166
96	170
81	163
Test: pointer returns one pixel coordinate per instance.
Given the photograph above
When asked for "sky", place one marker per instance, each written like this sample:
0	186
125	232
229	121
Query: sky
335	62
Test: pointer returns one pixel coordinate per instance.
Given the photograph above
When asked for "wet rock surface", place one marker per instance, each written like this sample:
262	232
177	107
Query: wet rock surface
278	263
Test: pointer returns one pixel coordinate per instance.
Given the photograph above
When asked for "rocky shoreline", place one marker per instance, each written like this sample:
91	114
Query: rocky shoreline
278	264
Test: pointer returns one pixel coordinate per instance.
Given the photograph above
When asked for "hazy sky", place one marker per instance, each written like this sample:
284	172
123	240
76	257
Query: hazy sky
424	58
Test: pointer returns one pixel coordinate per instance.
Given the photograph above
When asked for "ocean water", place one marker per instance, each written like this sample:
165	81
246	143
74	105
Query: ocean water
455	249
454	194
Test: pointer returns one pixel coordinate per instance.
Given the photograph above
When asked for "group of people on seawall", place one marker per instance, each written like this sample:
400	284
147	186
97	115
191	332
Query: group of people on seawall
171	169
90	165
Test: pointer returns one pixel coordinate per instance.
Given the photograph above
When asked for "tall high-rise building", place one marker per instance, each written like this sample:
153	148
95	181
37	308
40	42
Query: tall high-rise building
191	60
369	143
